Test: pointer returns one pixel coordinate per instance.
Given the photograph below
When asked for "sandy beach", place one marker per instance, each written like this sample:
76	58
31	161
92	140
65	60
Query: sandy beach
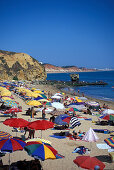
64	146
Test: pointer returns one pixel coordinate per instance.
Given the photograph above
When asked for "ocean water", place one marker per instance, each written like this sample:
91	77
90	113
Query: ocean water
99	92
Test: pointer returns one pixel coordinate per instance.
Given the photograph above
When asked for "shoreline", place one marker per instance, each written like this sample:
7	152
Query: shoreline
54	89
77	71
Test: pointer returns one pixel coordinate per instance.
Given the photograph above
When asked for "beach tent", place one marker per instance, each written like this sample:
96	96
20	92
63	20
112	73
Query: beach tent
90	136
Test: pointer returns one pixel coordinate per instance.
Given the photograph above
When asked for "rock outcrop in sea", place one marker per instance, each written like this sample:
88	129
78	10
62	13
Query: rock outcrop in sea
20	66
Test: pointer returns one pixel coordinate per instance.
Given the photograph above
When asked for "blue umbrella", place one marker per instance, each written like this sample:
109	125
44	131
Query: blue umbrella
59	119
38	98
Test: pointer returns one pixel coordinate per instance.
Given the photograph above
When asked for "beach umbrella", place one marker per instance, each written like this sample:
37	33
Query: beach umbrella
40	125
47	103
13	110
88	162
82	98
4	135
41	151
38	139
79	107
43	95
56	97
16	122
70	98
110	141
60	120
71	109
38	98
92	103
6	98
33	103
78	100
107	117
11	145
74	122
5	93
58	105
108	111
11	103
38	91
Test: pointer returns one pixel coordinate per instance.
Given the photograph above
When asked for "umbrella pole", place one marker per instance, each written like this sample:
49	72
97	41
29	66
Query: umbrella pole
41	134
9	161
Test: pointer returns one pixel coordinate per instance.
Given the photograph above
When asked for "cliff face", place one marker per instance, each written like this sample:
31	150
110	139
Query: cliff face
20	66
54	69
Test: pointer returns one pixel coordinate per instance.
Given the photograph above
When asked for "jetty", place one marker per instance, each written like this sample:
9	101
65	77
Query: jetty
70	83
74	82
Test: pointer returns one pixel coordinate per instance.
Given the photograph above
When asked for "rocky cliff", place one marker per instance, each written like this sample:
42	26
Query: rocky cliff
20	66
55	69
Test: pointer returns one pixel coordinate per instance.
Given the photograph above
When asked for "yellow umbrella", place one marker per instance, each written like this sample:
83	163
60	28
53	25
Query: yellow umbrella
38	91
38	139
6	98
33	103
2	88
5	93
78	100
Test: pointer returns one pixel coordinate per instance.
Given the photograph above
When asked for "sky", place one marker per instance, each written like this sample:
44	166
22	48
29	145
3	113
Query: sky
60	32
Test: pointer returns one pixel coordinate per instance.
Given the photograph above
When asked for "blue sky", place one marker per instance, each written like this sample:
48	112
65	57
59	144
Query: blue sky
60	32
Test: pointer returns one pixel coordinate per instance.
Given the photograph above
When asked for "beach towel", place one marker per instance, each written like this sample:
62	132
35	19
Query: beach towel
103	146
71	138
101	130
58	137
81	150
89	119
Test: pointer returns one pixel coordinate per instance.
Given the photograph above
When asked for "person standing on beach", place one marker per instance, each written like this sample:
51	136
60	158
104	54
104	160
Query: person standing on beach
78	92
43	113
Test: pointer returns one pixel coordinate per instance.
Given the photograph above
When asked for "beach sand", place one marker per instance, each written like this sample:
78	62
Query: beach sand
65	146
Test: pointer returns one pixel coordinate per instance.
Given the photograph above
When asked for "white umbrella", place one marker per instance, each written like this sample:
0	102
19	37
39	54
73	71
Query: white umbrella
56	97
58	94
58	105
82	98
108	111
79	107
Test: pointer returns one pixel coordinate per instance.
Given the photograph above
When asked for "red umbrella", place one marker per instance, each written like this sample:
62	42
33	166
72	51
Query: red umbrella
41	125
13	110
16	122
88	162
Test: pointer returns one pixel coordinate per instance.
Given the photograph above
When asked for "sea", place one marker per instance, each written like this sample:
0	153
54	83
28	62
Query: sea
99	92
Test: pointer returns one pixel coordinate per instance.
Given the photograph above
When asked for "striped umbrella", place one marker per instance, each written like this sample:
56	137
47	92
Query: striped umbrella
42	150
38	139
74	122
110	141
11	145
4	135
